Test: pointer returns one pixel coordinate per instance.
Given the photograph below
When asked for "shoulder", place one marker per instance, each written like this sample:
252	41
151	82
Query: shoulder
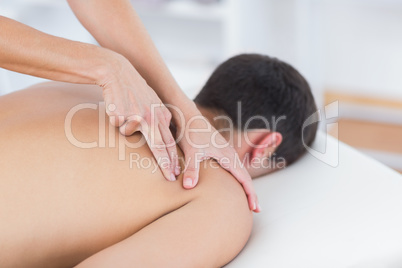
228	205
213	175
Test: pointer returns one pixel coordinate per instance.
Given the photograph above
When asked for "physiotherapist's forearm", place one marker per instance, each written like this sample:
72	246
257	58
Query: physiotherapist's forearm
29	51
115	25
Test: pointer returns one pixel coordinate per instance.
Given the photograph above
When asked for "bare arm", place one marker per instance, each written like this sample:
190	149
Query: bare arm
116	25
26	50
29	51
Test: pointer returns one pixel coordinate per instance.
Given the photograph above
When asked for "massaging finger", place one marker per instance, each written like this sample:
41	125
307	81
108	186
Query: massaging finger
245	180
241	174
190	176
251	195
115	118
170	143
159	150
132	125
258	209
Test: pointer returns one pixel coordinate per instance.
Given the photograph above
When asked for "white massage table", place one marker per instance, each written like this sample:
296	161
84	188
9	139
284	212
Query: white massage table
315	215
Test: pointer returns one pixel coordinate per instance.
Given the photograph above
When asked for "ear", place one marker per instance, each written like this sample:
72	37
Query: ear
267	145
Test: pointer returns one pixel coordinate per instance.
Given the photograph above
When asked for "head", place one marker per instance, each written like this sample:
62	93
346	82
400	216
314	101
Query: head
265	101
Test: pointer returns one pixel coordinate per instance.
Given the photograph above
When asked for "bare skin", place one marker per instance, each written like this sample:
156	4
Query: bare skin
132	74
61	206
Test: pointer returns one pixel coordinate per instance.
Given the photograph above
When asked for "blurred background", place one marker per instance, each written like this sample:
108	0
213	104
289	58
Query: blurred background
350	51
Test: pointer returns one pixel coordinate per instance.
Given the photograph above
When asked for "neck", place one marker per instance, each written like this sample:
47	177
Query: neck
209	114
220	125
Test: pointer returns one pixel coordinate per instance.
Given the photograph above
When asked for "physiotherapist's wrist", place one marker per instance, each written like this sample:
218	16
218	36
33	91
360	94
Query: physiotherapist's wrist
182	114
108	66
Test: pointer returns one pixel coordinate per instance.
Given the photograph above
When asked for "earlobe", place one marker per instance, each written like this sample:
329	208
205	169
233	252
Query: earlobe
276	139
267	145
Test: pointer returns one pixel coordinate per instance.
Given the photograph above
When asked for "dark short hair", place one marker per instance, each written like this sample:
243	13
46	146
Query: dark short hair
267	87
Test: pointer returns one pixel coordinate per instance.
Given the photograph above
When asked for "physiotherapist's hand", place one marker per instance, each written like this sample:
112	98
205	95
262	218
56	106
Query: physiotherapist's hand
201	145
134	106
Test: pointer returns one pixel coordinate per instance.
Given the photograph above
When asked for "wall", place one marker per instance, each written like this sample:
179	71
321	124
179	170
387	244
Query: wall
352	46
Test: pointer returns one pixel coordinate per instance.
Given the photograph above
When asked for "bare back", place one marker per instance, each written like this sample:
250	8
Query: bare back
60	203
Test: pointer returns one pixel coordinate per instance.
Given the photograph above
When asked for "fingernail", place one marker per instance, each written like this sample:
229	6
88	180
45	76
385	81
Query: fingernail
188	182
177	171
172	177
254	206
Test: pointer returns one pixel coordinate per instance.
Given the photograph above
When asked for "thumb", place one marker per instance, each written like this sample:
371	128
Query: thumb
191	172
115	119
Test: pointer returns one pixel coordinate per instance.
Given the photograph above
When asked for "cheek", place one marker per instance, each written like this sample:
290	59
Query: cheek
260	168
257	171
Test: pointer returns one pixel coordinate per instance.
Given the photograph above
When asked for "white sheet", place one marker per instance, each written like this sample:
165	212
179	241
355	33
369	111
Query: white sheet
315	215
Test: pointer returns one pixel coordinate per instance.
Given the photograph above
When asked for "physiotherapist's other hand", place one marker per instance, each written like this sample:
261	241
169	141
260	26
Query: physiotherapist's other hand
134	106
200	145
